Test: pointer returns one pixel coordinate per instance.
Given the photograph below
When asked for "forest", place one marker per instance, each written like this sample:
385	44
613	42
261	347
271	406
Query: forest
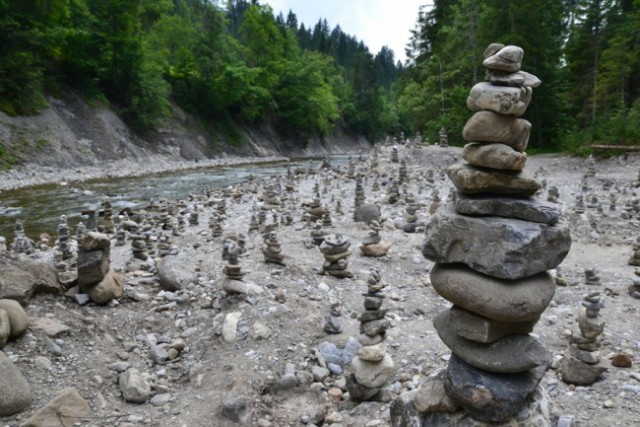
236	62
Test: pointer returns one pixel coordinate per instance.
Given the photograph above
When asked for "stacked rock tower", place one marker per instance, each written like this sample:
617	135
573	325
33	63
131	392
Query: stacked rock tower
493	246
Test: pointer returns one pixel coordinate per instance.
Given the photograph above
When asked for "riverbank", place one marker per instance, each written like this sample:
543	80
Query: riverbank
33	175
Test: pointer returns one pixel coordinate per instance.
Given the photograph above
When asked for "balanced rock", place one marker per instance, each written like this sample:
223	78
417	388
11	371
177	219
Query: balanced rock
494	156
490	396
499	299
509	58
473	180
487	126
500	247
510	354
500	99
526	209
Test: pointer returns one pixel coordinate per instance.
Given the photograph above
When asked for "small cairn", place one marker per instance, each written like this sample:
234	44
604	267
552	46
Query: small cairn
394	154
430	177
165	245
230	254
338	209
393	194
333	322
613	199
498	294
351	169
21	243
140	259
373	366
373	245
65	257
579	207
326	219
314	208
90	224
553	194
411	224
107	216
95	278
591	167
193	216
443	139
583	365
271	249
317	234
635	257
335	248
591	276
435	201
359	195
121	236
417	140
403	176
254	225
216	227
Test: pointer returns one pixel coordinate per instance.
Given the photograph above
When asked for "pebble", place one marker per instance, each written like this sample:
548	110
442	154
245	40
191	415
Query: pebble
608	404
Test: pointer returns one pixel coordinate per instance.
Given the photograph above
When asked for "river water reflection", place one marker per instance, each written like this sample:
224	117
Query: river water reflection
40	207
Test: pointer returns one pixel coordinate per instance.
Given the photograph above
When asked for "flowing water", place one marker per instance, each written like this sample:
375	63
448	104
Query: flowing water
40	207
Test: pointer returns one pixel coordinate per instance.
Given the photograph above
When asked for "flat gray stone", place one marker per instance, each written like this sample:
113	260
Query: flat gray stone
509	58
521	300
175	273
473	180
528	209
482	329
510	354
505	100
575	371
519	78
488	396
506	248
66	409
15	394
494	156
487	126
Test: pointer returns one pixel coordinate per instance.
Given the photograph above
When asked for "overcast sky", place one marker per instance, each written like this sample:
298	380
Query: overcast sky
375	22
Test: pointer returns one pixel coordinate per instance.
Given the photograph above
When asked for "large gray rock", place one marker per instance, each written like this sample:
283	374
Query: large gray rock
134	387
575	371
509	58
431	396
510	354
473	180
521	300
66	409
367	213
110	287
22	278
92	266
18	319
528	209
506	248
487	126
499	99
488	396
494	156
481	329
15	394
236	407
174	273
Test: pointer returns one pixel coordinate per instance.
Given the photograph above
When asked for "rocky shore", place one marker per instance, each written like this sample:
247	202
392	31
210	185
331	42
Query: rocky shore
186	340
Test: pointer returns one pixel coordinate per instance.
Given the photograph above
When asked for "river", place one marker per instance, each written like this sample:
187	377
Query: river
40	207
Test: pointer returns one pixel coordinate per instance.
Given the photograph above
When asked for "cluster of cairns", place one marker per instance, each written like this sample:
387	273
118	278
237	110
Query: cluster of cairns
335	248
492	247
583	365
372	366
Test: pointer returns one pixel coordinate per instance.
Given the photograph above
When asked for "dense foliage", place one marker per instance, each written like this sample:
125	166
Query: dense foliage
235	62
226	63
586	52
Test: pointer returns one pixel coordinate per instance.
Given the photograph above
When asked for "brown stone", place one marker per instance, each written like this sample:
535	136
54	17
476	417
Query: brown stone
494	156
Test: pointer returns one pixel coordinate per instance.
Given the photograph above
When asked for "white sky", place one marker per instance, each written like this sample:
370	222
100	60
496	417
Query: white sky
375	22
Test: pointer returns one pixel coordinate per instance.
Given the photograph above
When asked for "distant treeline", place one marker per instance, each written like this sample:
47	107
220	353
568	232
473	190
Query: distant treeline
586	52
235	62
224	63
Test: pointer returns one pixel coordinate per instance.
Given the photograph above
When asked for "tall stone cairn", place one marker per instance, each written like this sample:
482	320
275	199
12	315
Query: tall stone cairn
107	218
492	247
372	366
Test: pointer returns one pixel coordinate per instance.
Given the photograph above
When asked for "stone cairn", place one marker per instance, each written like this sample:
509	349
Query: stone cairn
373	245
579	207
493	246
591	276
271	249
372	366
591	167
553	194
317	234
121	236
443	139
95	278
359	196
393	193
583	365
21	243
335	248
333	322
253	224
403	176
107	216
635	257
394	154
65	257
216	227
230	254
